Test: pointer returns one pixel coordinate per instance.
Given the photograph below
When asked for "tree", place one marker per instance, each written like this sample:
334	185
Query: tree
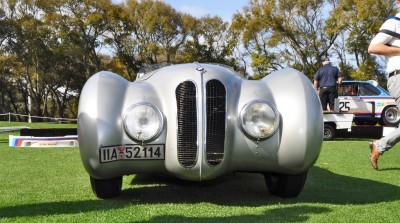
280	33
4	25
57	44
210	41
80	27
158	39
125	48
49	48
362	19
27	41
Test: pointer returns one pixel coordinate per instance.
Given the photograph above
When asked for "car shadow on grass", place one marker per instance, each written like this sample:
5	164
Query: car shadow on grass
244	189
239	190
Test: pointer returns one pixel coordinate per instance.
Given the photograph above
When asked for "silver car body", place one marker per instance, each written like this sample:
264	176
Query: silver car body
292	149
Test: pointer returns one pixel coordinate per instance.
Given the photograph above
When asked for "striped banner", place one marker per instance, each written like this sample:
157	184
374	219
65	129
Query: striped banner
30	141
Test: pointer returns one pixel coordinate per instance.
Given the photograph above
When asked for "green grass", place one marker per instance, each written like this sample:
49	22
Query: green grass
51	185
37	125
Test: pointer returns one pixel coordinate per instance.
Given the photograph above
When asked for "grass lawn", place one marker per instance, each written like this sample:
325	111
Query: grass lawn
51	185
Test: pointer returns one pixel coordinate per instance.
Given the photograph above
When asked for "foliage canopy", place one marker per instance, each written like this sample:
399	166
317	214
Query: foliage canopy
50	48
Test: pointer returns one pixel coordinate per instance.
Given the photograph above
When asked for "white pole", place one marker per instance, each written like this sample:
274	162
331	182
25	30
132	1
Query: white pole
29	104
29	109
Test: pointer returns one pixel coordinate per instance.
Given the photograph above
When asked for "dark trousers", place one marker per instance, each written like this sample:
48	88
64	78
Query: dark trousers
327	96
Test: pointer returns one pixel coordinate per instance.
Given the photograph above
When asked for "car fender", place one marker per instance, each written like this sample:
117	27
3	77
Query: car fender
302	119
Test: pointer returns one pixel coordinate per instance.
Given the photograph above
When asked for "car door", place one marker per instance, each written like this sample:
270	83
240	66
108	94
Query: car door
355	97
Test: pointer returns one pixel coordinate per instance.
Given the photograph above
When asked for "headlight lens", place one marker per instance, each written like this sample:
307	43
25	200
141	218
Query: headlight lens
259	119
143	122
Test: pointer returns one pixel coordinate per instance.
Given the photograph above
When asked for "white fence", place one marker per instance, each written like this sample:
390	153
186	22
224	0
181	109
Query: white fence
9	116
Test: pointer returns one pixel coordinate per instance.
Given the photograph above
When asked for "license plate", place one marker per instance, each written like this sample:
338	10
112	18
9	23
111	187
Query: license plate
131	152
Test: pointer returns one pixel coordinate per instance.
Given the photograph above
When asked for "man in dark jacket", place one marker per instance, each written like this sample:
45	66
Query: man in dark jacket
326	80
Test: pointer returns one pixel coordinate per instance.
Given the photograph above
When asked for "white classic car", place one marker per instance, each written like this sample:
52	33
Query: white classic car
369	102
198	122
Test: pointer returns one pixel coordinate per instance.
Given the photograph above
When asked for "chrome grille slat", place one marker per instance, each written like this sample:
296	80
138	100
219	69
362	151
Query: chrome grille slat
187	123
215	119
216	116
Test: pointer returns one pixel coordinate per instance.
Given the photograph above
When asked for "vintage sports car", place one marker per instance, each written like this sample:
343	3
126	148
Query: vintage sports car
369	102
198	122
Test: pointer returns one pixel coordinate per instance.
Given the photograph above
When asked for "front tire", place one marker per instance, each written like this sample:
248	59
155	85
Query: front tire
285	185
106	188
390	116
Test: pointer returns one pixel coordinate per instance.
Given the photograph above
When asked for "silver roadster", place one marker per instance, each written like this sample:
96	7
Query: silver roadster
198	122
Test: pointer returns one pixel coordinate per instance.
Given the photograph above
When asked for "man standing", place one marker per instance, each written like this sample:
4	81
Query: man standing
387	43
326	79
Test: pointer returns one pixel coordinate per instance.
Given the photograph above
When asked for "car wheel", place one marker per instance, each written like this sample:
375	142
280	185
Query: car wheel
390	116
329	132
285	185
106	188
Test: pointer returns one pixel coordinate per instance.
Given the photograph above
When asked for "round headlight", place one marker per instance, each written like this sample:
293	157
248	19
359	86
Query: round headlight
259	119
143	122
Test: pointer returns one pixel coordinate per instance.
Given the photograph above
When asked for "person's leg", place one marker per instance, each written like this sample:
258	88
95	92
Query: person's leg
386	143
324	98
332	95
378	147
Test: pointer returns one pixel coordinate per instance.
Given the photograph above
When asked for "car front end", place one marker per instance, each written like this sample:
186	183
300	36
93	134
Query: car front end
198	122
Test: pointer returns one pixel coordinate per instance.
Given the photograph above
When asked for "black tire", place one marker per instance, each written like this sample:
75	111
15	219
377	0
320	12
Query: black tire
329	132
390	116
285	185
106	188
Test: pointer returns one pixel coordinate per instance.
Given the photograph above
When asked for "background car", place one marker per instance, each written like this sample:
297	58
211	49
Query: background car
198	122
369	102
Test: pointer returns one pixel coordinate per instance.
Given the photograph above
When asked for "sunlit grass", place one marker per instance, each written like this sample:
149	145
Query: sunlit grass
51	185
37	124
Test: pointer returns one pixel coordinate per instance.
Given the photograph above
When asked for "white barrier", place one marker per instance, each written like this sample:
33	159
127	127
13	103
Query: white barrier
30	141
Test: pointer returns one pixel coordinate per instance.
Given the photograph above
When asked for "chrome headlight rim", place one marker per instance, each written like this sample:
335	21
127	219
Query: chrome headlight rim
158	130
242	124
